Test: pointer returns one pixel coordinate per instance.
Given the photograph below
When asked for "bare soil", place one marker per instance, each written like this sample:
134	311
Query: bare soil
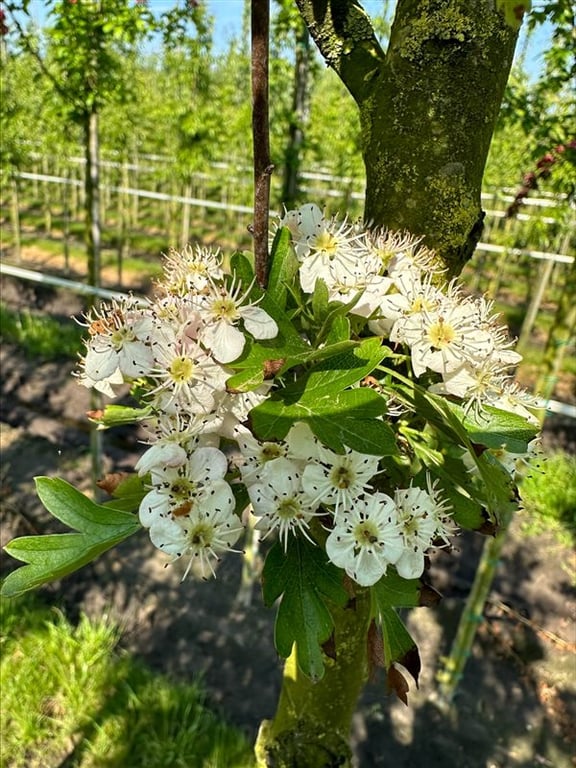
516	705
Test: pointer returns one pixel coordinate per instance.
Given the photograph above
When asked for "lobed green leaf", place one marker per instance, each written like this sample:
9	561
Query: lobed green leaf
304	578
53	556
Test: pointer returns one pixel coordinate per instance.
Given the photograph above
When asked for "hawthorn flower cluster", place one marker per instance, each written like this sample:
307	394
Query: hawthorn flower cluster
180	349
398	287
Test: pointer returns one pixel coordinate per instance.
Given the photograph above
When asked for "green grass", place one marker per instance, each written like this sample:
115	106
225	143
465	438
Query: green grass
548	494
40	336
69	696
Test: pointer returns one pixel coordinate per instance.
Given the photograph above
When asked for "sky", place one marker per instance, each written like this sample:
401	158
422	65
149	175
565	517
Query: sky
228	20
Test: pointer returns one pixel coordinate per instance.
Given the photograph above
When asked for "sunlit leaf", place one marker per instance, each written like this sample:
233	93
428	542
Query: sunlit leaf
305	579
54	556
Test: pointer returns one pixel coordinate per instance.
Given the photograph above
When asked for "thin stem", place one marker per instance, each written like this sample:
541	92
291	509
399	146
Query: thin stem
263	168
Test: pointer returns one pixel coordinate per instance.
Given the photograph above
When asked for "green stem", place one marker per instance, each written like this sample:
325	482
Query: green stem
472	615
311	727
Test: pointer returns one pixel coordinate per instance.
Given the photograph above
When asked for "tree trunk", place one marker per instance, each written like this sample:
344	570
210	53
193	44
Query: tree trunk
428	108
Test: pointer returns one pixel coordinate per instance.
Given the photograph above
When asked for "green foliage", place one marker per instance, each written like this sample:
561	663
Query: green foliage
67	691
41	337
544	109
54	556
305	579
548	493
89	44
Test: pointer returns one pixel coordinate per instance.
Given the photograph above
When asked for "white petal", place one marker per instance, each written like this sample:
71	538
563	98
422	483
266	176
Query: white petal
207	464
162	454
100	364
135	359
411	564
311	219
369	568
169	536
225	341
153	507
258	322
340	548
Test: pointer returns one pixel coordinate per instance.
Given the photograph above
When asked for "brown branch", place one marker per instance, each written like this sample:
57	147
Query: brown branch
260	137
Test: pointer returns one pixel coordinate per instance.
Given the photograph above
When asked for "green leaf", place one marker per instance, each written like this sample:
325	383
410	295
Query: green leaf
246	380
496	428
392	590
54	556
304	578
497	487
349	416
339	331
320	299
342	370
283	268
242	269
371	436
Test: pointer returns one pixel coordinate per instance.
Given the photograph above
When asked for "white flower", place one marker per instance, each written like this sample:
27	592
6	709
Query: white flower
444	339
371	287
179	489
399	252
333	251
172	438
255	455
422	518
415	293
280	502
191	271
188	375
121	336
202	534
366	539
339	479
221	312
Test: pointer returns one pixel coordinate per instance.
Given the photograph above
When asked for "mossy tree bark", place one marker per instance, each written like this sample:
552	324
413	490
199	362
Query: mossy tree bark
428	107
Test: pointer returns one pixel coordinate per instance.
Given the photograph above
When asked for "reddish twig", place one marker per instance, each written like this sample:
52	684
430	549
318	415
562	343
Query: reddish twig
260	137
531	179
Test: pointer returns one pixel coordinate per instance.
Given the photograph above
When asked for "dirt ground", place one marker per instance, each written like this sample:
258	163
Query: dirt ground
515	708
